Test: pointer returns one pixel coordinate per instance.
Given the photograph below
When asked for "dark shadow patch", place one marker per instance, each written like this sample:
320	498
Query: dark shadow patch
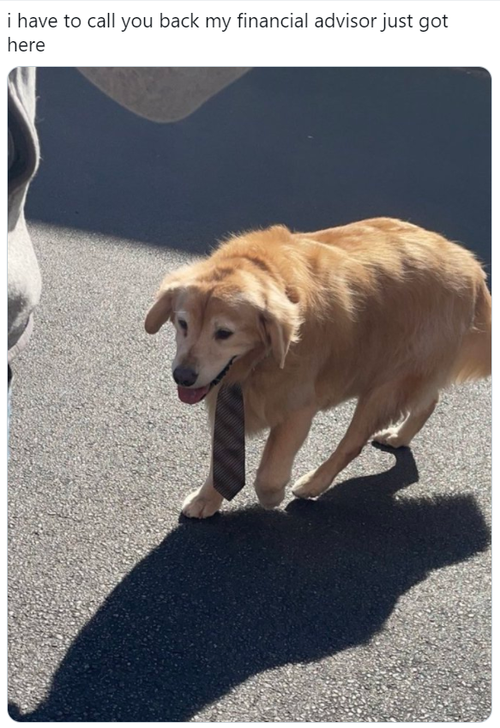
220	600
308	147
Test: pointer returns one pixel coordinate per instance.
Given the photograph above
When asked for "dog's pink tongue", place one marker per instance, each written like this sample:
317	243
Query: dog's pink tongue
192	396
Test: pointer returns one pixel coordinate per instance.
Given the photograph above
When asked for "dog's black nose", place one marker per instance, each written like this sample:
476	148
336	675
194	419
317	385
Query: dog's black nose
185	376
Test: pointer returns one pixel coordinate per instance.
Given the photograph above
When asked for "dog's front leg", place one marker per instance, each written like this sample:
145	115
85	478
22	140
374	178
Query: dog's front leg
203	502
282	445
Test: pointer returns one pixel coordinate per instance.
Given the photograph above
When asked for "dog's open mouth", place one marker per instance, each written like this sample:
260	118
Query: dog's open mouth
190	395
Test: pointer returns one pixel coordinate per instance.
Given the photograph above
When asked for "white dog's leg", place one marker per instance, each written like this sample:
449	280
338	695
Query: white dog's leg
203	502
282	445
372	411
401	435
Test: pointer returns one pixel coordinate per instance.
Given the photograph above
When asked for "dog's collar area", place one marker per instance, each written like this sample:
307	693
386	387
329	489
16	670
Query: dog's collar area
222	374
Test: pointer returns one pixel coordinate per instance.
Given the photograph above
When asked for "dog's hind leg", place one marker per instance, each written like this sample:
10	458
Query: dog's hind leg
374	410
401	435
282	445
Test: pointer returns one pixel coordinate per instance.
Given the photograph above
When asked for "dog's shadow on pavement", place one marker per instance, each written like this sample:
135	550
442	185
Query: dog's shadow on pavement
221	600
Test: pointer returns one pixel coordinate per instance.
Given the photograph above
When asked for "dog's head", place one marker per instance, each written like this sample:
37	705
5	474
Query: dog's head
221	312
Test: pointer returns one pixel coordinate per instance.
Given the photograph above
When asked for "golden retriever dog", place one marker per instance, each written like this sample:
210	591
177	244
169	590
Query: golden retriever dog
380	311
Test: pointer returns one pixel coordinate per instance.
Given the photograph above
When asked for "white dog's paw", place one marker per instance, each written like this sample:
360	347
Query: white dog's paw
390	437
309	486
198	505
269	499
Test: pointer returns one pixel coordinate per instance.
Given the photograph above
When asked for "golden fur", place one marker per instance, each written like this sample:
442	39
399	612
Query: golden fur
379	310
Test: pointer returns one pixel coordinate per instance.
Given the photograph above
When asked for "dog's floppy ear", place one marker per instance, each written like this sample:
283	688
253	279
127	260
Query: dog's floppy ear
160	311
280	321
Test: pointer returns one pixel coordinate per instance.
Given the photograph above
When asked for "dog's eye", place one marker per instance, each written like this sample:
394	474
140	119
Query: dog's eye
223	334
183	324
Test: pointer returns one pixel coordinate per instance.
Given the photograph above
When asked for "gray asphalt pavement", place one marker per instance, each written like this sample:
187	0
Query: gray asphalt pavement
370	604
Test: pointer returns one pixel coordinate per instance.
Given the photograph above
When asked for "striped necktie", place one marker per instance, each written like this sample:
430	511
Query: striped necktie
229	442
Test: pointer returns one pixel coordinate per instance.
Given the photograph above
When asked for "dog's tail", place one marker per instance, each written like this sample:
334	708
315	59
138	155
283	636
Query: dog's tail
474	359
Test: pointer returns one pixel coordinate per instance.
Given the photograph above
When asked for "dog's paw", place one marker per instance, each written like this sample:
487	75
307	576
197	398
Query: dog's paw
309	486
197	505
390	437
270	499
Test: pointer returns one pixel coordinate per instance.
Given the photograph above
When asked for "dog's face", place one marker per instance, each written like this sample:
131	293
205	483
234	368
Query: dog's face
211	333
220	317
